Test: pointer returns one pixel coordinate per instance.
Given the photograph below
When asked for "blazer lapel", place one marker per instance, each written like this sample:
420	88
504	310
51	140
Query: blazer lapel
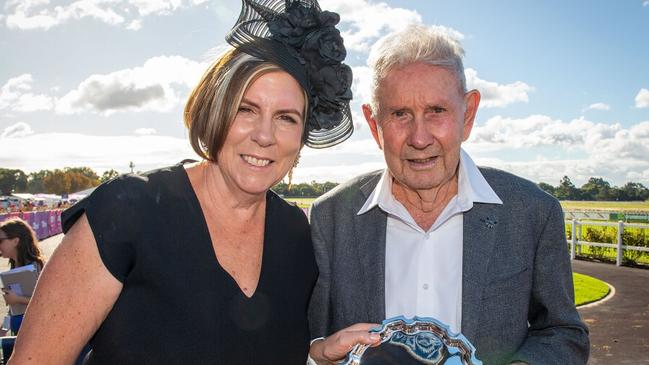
478	243
370	243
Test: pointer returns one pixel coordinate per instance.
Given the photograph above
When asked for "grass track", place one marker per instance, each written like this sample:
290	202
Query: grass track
600	205
588	289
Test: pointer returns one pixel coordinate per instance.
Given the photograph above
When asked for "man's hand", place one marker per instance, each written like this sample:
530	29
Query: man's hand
335	347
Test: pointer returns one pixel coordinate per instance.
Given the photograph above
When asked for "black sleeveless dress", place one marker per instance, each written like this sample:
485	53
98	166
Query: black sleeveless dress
178	305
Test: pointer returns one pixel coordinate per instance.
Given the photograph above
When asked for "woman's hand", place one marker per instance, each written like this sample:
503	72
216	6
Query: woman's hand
335	347
12	298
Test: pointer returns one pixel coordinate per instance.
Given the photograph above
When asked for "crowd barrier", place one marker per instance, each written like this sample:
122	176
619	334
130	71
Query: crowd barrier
45	223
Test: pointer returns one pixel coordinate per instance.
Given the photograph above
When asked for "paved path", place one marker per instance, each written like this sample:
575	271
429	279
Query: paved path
619	326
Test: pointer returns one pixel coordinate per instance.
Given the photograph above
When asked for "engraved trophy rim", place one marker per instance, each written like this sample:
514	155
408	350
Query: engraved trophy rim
415	325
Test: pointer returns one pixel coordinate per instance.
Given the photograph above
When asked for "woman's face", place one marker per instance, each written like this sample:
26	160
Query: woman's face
265	136
8	246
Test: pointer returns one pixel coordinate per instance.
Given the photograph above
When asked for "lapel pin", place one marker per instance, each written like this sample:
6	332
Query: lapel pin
489	222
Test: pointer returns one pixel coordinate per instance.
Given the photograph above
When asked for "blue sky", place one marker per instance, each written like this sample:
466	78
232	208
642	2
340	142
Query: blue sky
100	83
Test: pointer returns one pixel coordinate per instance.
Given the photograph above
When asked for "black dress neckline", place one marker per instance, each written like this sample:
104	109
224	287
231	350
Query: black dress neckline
205	231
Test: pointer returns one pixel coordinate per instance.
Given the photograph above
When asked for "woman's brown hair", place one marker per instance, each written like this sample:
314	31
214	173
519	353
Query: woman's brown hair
27	250
214	102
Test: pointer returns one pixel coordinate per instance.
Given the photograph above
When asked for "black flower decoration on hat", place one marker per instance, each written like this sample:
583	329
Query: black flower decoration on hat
273	29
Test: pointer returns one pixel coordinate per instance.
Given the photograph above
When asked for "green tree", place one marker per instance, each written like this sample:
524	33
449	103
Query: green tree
107	175
57	182
85	171
281	188
12	181
547	188
80	182
567	190
633	191
35	181
596	189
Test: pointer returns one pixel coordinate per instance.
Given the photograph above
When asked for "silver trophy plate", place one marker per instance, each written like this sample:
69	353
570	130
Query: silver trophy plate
421	340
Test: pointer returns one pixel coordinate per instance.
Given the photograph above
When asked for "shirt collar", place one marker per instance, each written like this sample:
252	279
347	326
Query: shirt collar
472	188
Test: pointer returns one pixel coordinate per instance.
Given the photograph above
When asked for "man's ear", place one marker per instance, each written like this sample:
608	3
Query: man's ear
471	101
374	128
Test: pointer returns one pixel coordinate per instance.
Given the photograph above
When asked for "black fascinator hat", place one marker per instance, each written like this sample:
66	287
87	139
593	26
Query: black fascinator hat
302	39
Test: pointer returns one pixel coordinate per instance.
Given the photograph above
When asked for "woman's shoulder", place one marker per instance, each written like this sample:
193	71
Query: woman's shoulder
141	182
126	194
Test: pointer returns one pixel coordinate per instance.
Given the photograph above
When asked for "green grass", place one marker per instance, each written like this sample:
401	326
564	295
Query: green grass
302	202
588	289
601	205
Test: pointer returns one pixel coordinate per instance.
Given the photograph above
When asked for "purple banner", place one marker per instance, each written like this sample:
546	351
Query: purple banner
45	223
43	218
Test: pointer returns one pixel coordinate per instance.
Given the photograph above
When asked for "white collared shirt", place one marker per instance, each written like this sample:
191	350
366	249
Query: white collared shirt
423	269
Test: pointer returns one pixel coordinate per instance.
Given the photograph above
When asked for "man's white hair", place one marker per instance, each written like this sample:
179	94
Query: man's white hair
415	43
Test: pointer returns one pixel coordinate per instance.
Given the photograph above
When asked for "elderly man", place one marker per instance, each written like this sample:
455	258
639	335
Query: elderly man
433	235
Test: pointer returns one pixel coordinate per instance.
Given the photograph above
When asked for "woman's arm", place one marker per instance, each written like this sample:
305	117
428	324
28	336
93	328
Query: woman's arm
73	295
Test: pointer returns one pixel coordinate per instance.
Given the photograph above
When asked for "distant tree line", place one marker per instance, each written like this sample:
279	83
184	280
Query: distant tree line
65	181
73	179
304	190
597	189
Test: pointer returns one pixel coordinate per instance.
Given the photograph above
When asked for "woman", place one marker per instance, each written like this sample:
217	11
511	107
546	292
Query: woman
19	244
202	264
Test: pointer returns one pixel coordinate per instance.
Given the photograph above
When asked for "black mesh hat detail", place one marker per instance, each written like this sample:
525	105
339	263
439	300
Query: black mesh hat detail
302	39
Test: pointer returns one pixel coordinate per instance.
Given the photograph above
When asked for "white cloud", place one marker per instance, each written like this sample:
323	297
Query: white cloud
17	130
160	84
597	106
145	131
618	154
16	95
642	99
339	163
578	170
361	86
645	3
42	14
135	25
367	21
495	95
609	149
56	150
152	86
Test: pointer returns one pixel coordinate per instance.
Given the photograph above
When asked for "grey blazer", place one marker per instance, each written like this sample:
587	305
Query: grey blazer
517	292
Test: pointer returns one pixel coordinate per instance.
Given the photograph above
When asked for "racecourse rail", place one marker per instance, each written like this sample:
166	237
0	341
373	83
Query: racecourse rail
575	239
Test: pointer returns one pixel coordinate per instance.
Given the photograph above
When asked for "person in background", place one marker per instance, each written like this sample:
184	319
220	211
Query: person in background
202	263
19	244
433	235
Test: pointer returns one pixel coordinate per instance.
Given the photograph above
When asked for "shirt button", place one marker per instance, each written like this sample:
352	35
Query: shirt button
427	235
425	286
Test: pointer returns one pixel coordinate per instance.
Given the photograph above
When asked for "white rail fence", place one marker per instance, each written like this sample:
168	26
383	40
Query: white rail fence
576	240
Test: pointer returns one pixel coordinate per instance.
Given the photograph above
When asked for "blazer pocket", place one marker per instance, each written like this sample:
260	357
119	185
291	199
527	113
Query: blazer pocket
507	283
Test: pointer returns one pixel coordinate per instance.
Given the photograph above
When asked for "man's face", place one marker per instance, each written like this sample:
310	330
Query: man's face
422	120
